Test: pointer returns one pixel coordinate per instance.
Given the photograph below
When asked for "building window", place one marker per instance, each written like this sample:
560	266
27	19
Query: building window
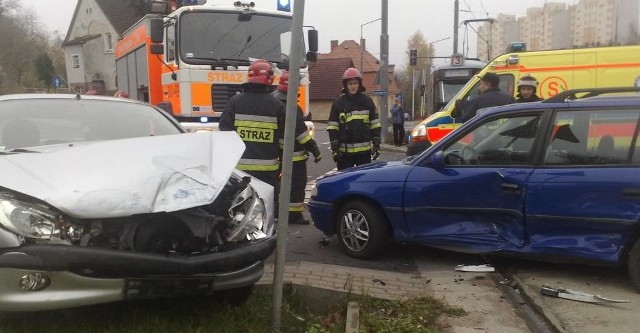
108	43
75	60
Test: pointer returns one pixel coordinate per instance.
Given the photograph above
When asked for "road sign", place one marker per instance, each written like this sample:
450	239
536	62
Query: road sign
56	82
379	92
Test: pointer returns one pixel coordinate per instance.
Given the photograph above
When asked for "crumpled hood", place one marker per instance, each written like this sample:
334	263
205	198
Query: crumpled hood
124	177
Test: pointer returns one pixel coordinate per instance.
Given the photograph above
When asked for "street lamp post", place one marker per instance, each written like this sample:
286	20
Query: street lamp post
362	47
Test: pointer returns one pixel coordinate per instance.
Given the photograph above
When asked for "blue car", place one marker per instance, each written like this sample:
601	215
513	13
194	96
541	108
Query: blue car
558	179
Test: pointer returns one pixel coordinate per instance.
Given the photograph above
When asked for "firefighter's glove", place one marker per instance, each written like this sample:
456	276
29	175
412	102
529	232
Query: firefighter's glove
335	145
337	155
375	152
375	149
317	156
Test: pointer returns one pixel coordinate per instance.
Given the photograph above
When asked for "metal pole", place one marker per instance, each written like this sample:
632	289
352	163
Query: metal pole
384	73
287	160
362	46
423	91
413	94
456	10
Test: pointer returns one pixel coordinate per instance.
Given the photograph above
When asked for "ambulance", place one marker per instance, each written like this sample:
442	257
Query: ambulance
555	70
191	61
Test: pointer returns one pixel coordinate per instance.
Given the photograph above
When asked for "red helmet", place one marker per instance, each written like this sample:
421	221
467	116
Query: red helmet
351	73
260	72
283	85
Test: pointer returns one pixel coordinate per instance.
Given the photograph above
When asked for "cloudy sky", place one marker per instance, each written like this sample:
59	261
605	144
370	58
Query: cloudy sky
342	19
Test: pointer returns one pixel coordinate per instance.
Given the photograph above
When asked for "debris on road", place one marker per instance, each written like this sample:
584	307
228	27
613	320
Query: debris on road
324	242
579	296
475	268
379	281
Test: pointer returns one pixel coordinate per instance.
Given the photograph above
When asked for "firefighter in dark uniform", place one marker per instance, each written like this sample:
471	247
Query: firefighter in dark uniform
354	126
304	145
258	118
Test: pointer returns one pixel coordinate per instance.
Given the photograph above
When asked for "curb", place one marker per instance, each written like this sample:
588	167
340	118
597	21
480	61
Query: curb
528	303
395	149
535	300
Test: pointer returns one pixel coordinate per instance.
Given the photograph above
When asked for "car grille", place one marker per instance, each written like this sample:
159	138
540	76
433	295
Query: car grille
221	93
135	289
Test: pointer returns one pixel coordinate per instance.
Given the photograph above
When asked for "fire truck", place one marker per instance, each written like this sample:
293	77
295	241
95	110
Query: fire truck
193	60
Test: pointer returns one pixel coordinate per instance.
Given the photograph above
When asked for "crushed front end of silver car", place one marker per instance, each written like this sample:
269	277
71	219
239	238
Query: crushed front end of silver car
130	219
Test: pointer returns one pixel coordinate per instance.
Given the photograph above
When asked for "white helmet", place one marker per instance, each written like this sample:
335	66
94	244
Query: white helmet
528	80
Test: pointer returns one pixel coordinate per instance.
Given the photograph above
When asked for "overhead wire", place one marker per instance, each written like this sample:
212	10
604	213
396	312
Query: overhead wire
485	10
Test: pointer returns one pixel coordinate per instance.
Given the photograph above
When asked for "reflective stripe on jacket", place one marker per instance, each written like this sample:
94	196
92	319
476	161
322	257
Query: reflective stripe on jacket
258	118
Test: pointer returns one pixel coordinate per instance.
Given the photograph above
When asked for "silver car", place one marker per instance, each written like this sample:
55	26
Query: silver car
108	199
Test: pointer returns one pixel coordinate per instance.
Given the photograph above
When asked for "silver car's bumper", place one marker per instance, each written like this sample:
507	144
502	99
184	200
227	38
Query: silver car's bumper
66	289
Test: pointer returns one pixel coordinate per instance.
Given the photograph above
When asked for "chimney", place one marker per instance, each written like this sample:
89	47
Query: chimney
363	44
334	44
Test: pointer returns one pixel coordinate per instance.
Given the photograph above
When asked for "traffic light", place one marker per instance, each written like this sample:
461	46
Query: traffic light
413	57
284	5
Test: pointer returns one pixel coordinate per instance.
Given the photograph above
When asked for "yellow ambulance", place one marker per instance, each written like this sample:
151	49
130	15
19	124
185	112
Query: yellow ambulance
555	70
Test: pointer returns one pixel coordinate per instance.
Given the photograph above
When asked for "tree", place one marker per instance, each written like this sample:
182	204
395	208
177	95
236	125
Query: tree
44	69
423	66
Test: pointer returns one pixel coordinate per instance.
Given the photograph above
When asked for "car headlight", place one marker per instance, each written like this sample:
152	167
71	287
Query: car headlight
249	217
314	190
27	219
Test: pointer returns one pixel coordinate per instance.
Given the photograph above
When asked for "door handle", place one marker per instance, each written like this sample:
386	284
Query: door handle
631	193
510	187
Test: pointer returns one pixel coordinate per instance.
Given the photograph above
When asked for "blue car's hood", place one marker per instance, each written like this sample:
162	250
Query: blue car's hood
393	171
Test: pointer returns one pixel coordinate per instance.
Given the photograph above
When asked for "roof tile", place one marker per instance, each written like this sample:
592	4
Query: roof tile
326	78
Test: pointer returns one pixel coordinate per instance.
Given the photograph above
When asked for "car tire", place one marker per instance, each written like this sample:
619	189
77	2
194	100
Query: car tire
362	229
634	265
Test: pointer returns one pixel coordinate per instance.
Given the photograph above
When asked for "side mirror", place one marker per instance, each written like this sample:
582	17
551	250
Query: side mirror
437	159
156	30
312	56
312	36
157	49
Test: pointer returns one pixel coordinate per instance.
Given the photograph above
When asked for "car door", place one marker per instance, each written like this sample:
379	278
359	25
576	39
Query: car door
585	199
474	201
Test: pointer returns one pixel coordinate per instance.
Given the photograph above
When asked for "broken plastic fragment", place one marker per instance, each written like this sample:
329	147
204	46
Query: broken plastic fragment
577	295
475	268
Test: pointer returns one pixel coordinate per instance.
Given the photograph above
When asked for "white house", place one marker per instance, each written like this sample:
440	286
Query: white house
95	28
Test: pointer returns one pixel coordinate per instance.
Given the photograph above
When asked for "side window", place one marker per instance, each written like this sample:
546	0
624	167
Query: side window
108	42
171	43
507	83
598	137
506	86
75	60
502	141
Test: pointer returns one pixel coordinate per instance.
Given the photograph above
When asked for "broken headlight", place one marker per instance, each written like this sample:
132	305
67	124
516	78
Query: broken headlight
249	217
27	219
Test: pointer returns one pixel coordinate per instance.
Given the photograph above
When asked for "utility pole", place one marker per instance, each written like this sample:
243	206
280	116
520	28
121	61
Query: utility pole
384	73
456	10
295	62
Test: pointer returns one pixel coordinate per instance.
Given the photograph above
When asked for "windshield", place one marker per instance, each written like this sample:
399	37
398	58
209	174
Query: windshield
41	122
222	36
445	91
